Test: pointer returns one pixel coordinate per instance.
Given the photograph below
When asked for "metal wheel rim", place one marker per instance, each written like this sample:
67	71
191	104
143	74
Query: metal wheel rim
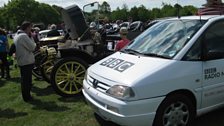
36	72
69	77
48	66
177	114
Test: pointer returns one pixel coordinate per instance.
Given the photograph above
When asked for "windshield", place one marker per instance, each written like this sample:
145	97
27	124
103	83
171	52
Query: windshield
166	38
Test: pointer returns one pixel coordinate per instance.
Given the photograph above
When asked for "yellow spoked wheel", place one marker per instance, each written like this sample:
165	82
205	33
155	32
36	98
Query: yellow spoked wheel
67	76
46	69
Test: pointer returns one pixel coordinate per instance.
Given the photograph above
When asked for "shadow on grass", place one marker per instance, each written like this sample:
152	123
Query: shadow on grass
2	83
214	118
10	113
49	106
38	79
77	98
43	91
103	122
14	79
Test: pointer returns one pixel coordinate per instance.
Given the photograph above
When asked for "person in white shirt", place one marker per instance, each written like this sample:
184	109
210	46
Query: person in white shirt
25	46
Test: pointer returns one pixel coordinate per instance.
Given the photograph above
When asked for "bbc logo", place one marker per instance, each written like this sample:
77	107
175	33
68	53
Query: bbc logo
117	64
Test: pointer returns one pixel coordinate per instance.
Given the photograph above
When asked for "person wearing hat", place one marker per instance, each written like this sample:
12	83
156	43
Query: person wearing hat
25	46
124	41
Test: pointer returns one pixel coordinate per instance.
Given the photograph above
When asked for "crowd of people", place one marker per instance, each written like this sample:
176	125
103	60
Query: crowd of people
4	49
23	46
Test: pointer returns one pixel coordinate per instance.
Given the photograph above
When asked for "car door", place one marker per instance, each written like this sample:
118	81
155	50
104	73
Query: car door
213	65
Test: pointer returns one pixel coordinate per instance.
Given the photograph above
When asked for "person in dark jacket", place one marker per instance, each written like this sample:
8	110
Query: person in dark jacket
4	47
53	32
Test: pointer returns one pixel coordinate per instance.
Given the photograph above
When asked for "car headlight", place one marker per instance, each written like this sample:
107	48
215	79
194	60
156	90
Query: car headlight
121	92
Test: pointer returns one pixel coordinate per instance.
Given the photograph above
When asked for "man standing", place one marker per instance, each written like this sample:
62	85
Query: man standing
25	46
4	47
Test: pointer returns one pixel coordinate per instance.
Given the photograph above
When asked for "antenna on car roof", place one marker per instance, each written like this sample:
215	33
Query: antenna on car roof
178	9
200	17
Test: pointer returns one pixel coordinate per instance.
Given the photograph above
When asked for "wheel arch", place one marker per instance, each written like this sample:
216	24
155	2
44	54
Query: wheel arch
182	92
187	93
77	53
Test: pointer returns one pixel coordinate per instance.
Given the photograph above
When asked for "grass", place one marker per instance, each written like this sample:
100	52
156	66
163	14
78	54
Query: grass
47	109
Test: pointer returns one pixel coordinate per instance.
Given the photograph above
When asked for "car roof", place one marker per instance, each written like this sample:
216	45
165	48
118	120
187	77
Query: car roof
44	31
202	17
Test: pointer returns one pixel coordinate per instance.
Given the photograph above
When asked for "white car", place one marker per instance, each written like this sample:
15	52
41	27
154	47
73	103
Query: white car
43	33
169	74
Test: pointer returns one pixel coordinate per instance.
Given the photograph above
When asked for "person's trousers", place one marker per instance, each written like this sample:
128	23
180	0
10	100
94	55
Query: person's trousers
4	65
26	81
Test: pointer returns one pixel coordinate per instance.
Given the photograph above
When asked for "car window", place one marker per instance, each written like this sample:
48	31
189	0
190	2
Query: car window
166	38
194	54
133	26
214	41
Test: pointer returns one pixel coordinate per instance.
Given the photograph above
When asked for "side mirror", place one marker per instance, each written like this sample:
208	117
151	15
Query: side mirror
214	54
92	4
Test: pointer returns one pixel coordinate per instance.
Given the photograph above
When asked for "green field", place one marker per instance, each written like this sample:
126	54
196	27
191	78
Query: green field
47	108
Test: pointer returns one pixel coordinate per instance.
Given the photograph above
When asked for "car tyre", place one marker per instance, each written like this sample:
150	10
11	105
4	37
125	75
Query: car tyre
67	76
175	110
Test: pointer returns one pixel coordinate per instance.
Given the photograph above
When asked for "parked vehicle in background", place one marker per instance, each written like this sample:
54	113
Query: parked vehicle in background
169	74
136	26
43	33
124	24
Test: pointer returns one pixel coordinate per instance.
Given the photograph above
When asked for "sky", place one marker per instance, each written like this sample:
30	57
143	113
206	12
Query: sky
149	4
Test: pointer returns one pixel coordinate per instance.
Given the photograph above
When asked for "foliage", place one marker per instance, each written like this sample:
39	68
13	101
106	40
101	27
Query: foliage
168	10
134	13
155	13
16	11
47	108
144	14
105	8
188	10
121	14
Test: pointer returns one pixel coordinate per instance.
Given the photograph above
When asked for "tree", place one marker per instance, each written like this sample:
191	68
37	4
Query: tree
120	14
134	13
168	10
188	10
17	11
143	13
48	14
105	8
156	13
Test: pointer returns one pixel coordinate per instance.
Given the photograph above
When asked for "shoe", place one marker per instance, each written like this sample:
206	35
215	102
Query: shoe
28	99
